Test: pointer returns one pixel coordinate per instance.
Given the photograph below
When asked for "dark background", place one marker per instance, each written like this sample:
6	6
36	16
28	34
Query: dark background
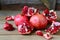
18	4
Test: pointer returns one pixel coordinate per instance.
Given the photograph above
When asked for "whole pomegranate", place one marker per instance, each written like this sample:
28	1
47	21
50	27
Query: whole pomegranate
19	19
38	21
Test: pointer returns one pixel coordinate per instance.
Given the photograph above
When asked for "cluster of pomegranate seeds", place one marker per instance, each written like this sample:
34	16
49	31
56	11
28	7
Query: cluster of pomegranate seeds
25	28
8	26
50	15
9	18
29	11
54	28
39	33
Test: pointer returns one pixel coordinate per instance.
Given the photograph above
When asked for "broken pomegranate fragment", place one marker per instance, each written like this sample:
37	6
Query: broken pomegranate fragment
9	18
50	15
54	28
25	28
38	32
8	27
47	36
29	11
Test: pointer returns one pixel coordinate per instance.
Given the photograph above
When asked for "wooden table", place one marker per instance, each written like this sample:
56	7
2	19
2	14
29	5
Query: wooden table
14	35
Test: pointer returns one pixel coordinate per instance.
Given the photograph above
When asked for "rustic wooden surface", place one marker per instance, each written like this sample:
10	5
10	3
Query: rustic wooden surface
14	35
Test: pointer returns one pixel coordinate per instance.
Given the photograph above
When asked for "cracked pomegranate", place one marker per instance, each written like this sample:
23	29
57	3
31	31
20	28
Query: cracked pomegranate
54	28
25	28
9	27
50	15
29	11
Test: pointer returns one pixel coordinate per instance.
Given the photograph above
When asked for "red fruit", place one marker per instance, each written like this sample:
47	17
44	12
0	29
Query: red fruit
9	18
24	10
38	21
46	11
38	32
19	19
54	28
25	28
50	15
47	36
8	27
29	11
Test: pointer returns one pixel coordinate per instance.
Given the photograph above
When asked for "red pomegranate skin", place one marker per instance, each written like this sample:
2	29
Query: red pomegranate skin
38	21
19	19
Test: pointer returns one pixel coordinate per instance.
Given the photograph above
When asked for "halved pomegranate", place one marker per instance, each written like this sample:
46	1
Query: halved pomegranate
50	15
54	28
38	21
19	19
25	28
9	18
8	26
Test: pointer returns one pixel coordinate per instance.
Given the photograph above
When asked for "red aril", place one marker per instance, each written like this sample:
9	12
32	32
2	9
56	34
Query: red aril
38	32
25	28
19	19
38	21
24	10
29	11
8	27
54	28
46	11
50	15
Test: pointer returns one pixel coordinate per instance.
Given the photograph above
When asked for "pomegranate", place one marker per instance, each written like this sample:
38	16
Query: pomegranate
39	21
29	11
47	36
54	28
9	18
38	32
24	10
50	15
8	27
19	19
25	28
